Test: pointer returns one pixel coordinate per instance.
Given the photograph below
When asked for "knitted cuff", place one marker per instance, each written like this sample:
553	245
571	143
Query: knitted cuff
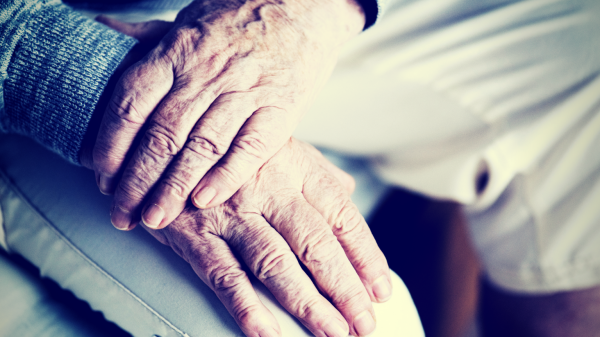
56	75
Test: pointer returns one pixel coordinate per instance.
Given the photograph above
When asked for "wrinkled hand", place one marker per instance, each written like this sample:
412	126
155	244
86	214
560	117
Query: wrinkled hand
297	204
219	95
298	197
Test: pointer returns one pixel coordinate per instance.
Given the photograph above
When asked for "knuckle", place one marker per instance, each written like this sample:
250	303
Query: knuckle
370	259
318	247
205	147
161	143
252	145
245	313
347	219
178	186
124	108
347	297
274	264
226	279
230	175
137	180
306	306
133	188
215	221
183	175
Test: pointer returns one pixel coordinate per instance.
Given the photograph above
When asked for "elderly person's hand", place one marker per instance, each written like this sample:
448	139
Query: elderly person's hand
295	206
218	96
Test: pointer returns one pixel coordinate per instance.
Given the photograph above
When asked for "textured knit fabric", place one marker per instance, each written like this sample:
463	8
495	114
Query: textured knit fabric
54	65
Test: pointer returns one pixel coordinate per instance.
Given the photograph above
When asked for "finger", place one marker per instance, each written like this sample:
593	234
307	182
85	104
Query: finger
332	201
207	143
214	262
145	32
166	135
136	95
259	139
270	259
311	238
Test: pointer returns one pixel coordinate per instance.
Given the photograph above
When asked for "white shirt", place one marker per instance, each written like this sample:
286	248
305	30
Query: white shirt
440	91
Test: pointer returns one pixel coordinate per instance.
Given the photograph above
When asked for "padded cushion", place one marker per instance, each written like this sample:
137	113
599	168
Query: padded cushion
55	217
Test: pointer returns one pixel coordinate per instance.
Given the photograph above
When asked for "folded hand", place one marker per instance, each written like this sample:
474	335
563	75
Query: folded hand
294	208
219	95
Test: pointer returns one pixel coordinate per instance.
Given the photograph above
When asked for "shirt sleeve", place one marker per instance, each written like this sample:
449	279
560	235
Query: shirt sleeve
54	65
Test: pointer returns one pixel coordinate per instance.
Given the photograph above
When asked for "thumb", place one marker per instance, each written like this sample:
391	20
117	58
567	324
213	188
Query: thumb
145	32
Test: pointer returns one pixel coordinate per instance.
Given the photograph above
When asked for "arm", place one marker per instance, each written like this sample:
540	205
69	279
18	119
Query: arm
354	263
55	64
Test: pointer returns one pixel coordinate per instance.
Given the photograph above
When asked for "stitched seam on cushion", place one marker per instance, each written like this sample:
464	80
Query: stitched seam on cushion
37	213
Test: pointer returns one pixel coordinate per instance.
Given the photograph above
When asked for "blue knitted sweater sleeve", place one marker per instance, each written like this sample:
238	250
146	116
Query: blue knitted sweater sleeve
54	64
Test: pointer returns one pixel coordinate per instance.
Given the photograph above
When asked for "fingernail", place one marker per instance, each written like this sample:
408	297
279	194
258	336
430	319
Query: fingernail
205	196
336	329
153	216
121	218
105	184
364	323
382	289
269	332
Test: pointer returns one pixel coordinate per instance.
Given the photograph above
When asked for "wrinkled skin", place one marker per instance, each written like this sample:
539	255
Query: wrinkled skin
296	205
220	94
